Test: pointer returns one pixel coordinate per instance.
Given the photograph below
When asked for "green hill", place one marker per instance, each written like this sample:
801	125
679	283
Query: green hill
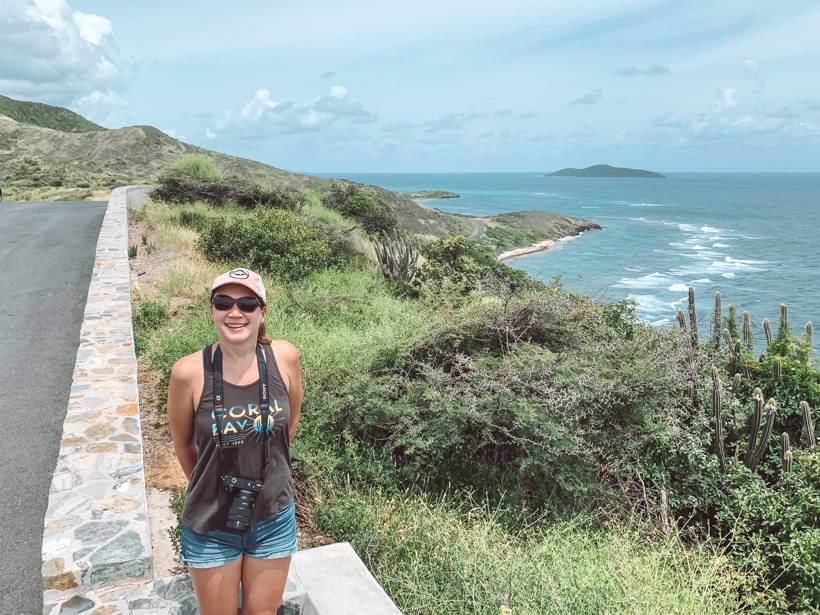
66	163
605	170
45	116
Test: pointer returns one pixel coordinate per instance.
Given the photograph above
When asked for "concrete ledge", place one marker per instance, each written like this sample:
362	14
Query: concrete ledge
337	582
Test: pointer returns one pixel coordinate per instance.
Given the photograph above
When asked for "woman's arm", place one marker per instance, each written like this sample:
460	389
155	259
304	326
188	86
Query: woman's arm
181	414
290	355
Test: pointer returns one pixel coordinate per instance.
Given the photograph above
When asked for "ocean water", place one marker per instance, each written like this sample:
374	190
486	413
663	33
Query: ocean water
753	237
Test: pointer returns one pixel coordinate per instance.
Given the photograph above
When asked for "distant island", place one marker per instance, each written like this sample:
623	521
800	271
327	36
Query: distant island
433	194
604	170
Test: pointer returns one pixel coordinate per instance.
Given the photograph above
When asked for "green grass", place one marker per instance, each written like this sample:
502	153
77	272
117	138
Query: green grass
434	557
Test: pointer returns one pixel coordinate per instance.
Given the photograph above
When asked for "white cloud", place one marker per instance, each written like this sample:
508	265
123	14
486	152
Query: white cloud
172	132
93	28
338	91
262	114
53	55
209	134
726	99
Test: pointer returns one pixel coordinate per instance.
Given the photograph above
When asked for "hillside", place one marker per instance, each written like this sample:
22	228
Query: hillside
45	116
38	162
605	170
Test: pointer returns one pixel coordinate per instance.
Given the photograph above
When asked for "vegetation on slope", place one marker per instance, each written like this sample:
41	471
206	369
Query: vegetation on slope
588	438
45	116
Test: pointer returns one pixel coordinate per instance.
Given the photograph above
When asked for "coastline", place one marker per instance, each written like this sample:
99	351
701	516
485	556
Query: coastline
541	246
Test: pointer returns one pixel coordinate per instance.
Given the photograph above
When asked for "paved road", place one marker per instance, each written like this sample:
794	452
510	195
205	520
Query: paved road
46	258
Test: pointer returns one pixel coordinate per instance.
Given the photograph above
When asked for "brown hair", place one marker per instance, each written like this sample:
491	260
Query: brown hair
260	335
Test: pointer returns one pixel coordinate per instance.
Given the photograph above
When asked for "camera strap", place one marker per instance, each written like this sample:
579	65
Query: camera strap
266	421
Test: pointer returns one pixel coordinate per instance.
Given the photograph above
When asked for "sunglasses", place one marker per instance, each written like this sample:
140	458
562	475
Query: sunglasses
224	303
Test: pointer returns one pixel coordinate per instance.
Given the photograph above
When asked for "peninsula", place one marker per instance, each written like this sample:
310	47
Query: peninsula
433	194
605	170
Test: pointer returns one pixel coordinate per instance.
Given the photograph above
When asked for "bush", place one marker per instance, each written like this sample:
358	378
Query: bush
374	215
181	186
197	166
274	241
776	528
457	266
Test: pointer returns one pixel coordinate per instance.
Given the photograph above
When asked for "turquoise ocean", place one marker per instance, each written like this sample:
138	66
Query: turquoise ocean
753	237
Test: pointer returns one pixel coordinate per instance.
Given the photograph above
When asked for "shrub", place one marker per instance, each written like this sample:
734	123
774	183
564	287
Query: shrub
457	266
374	215
278	242
192	181
776	528
197	166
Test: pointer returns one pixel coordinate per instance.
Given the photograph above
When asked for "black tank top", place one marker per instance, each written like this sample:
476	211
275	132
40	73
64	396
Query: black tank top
207	502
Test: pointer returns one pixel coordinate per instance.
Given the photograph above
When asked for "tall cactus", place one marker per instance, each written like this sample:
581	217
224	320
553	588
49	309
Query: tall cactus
681	320
763	441
727	337
736	383
777	369
717	321
783	332
809	342
732	321
693	318
786	453
734	361
748	340
767	329
808	425
754	424
718	410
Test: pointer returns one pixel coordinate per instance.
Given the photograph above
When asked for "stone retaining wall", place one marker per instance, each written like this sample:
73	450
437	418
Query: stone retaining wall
96	526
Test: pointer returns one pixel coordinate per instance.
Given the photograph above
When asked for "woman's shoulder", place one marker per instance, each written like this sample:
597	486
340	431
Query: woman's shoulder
284	349
188	366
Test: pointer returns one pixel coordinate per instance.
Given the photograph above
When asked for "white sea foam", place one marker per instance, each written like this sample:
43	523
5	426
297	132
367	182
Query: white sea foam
633	269
652	280
678	288
702	281
652	306
647	205
720	245
687	228
709	229
728	274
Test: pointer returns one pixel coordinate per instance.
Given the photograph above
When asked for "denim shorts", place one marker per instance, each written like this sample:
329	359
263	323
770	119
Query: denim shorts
272	538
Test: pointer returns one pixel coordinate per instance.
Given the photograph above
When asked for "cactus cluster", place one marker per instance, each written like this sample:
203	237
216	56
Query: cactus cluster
397	256
777	369
717	405
759	438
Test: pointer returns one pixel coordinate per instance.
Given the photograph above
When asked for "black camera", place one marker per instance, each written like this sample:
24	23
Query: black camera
241	510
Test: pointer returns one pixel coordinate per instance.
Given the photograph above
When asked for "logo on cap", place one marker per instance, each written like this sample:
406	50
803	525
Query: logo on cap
239	274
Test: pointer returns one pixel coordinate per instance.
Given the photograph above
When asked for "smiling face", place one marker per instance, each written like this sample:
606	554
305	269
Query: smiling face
235	326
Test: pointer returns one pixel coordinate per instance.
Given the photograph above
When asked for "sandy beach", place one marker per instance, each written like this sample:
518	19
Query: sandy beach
541	246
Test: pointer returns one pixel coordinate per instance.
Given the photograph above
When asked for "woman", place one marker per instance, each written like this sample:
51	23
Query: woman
233	409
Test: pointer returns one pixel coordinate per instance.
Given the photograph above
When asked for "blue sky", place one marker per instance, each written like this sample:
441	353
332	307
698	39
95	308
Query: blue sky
519	85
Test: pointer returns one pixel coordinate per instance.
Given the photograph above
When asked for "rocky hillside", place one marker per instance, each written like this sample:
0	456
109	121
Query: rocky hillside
52	153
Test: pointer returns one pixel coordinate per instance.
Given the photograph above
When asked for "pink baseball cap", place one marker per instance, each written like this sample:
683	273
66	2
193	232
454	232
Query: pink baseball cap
244	277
